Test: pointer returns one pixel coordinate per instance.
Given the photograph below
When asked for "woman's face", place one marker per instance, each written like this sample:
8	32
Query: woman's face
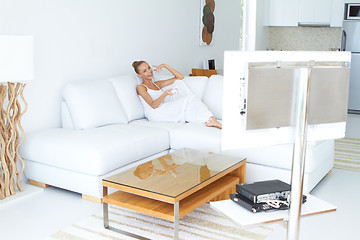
145	71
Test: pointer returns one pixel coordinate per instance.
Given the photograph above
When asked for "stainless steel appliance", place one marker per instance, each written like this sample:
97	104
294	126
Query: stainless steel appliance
351	42
353	11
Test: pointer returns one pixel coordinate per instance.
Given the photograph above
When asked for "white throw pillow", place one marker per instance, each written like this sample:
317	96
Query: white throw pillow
213	96
125	88
93	104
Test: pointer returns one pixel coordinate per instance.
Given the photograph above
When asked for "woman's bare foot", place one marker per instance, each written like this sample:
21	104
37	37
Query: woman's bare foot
212	122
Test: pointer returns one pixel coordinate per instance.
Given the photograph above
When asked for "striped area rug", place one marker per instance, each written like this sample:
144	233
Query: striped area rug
347	154
203	223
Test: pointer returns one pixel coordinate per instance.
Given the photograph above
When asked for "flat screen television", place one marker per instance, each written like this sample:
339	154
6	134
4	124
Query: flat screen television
260	96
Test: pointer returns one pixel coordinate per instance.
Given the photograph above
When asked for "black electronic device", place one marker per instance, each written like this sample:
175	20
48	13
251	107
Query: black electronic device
258	192
270	205
263	196
258	207
211	64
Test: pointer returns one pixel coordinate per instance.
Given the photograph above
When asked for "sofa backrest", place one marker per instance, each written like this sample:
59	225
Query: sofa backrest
115	100
213	96
197	85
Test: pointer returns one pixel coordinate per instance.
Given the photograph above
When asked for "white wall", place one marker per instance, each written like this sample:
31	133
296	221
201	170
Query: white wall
95	39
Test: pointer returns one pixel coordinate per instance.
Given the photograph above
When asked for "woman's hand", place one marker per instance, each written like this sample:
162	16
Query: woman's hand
164	83
168	92
159	68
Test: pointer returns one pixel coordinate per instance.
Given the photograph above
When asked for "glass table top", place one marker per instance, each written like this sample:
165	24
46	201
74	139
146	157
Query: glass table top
175	173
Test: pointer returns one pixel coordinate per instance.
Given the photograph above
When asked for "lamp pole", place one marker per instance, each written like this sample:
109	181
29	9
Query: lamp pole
302	77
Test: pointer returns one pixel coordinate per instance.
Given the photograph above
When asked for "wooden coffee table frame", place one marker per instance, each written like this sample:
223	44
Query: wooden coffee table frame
216	188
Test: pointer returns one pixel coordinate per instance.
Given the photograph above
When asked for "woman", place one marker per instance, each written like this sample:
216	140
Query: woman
181	108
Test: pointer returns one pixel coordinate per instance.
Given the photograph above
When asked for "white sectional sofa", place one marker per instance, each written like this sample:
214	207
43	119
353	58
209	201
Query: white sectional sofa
104	132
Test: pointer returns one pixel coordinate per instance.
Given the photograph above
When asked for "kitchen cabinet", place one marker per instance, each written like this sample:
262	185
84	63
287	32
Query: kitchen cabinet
282	13
337	13
352	1
314	12
291	13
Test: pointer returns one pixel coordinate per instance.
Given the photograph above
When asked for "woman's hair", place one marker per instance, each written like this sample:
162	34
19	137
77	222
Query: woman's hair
136	64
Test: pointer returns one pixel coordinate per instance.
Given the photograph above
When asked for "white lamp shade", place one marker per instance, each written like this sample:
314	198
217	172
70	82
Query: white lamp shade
16	58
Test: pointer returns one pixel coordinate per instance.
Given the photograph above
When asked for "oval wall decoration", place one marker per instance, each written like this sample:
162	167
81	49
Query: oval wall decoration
207	25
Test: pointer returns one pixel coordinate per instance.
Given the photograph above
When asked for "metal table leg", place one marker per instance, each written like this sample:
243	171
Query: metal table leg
105	209
106	215
106	220
176	220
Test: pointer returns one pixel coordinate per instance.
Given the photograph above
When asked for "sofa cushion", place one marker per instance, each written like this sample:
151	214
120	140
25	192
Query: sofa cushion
94	151
197	85
125	88
213	96
163	125
197	136
93	104
281	155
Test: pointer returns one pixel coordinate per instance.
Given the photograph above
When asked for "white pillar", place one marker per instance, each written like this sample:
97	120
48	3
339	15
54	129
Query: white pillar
249	25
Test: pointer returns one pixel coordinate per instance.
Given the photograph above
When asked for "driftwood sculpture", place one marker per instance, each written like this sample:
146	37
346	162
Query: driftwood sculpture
10	139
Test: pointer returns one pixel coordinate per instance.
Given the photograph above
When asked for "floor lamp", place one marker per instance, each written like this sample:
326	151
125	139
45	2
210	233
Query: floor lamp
16	68
285	97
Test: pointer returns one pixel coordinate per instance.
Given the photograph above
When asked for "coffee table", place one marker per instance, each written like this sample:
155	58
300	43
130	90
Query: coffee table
173	185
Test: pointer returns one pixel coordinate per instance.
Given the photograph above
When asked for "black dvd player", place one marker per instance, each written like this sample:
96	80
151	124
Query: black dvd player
263	196
258	192
261	207
255	207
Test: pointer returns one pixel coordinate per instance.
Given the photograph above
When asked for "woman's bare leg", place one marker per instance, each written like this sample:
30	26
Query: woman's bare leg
212	122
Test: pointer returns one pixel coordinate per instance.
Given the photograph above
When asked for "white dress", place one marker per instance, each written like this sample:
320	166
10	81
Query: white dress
183	106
